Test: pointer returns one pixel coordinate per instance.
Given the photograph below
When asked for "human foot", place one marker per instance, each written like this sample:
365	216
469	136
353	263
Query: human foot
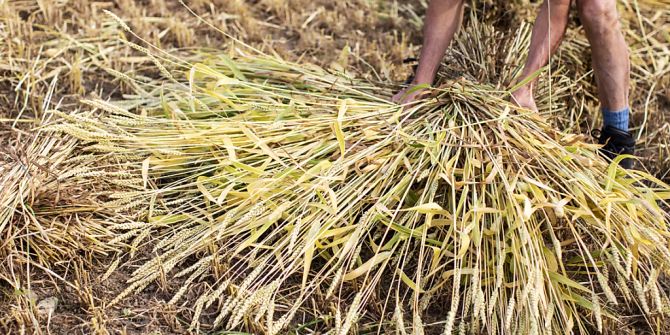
616	142
523	98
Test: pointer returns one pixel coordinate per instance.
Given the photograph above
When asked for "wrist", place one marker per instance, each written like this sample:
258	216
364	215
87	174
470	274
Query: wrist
420	80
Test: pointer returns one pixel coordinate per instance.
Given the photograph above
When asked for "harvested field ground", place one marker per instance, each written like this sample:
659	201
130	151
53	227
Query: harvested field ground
59	241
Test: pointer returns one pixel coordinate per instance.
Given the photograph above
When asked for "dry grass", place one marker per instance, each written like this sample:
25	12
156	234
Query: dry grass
138	162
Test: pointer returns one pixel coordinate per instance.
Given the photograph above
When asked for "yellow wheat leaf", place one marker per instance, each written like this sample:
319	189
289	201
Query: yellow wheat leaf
339	134
145	171
409	282
367	266
428	208
463	245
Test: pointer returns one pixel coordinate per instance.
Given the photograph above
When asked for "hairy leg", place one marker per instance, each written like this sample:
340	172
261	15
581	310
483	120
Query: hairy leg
443	18
609	52
548	31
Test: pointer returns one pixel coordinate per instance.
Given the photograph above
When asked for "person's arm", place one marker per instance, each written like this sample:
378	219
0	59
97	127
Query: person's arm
548	31
443	18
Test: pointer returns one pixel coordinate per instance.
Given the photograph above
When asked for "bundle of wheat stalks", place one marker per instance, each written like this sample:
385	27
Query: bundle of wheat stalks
39	228
296	191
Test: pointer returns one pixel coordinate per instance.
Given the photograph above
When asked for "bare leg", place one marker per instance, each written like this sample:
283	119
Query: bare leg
609	55
609	52
548	32
443	18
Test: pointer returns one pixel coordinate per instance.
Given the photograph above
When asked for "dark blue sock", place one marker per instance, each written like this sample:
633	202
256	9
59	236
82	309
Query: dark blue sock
617	119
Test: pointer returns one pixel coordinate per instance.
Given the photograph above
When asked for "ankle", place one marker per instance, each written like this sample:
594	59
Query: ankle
523	92
616	118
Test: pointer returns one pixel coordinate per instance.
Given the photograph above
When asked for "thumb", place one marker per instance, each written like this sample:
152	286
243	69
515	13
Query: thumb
398	97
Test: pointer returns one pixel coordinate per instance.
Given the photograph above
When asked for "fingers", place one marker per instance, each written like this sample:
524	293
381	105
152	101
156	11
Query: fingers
410	98
421	94
397	97
403	97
